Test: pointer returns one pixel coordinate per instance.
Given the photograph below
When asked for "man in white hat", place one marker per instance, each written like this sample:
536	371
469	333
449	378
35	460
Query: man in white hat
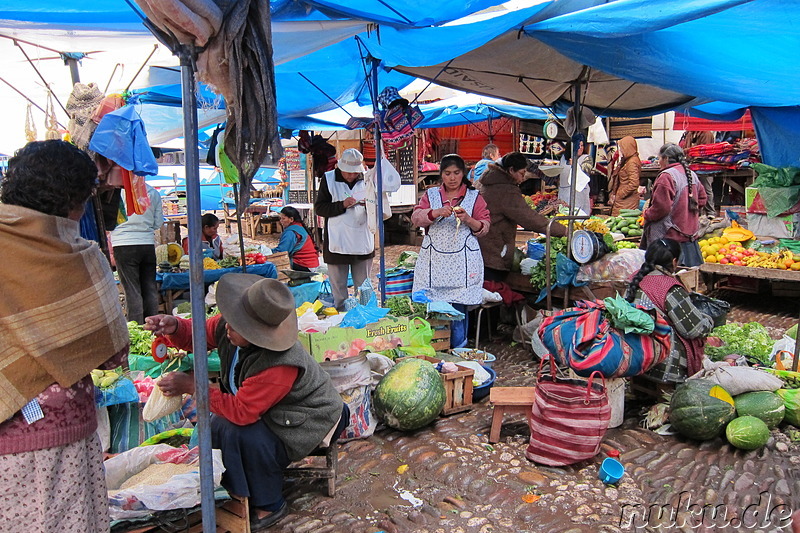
275	403
348	244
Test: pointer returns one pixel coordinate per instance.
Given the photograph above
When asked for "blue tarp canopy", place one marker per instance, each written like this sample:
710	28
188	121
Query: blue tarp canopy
212	184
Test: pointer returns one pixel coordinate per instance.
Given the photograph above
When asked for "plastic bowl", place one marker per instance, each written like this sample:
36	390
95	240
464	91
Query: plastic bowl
479	393
488	362
611	471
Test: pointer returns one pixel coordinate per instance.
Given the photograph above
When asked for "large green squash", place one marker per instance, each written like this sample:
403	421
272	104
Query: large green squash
747	433
695	413
410	395
765	405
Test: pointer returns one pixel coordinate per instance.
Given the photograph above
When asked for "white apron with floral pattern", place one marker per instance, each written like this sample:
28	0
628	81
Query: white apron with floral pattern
450	262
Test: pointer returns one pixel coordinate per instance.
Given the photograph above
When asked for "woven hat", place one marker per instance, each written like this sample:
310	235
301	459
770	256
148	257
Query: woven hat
81	104
351	161
389	97
260	309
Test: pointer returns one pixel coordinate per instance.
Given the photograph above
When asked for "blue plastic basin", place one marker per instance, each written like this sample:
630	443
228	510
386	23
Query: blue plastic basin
478	393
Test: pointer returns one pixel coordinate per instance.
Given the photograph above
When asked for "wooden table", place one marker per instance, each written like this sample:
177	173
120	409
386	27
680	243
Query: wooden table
769	274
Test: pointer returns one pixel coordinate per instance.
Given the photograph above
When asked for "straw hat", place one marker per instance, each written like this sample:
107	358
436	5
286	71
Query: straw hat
260	309
351	161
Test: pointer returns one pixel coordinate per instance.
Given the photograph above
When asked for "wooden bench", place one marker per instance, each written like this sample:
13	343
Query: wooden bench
327	472
508	400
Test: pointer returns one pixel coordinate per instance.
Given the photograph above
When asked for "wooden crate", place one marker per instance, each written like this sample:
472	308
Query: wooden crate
281	262
441	334
457	387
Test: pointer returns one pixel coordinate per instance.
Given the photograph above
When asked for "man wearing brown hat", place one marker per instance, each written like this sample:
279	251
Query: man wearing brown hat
275	403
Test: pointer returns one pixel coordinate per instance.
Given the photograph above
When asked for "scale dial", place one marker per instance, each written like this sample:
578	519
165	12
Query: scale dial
550	129
583	248
159	350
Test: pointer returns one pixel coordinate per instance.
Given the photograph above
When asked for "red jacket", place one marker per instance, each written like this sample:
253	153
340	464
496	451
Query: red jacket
661	205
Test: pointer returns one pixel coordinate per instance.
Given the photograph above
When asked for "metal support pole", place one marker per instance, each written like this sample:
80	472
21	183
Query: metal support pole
379	175
197	288
72	63
239	225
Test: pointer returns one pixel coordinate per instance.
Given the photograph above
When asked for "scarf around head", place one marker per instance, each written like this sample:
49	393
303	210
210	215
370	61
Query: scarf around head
60	315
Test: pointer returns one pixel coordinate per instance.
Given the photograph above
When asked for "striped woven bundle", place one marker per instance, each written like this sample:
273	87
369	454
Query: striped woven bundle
400	283
568	420
584	339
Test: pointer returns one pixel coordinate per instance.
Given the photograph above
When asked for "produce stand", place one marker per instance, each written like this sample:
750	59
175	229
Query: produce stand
172	285
717	271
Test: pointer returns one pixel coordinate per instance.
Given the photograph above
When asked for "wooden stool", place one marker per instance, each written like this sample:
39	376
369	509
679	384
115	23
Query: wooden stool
508	400
331	455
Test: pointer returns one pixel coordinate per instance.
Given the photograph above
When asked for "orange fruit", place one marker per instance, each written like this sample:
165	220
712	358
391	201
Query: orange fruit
711	259
795	266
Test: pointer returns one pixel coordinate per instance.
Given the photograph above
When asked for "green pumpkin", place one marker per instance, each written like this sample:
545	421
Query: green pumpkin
411	395
695	413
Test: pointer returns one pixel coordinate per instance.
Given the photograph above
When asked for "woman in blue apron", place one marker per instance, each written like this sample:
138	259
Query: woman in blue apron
450	265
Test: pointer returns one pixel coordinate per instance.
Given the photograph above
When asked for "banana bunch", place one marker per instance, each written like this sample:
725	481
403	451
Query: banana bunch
104	379
781	260
593	224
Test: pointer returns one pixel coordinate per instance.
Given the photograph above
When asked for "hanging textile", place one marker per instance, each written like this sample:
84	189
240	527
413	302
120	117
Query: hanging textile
50	122
81	103
30	126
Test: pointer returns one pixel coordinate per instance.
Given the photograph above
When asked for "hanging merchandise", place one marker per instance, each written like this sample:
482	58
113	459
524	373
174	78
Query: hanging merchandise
398	118
50	121
229	171
30	126
121	137
82	103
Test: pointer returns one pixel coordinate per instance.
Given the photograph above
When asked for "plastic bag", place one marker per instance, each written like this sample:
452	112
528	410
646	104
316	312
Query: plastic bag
738	379
628	318
362	315
123	391
352	379
566	272
158	405
421	332
366	294
444	311
413	351
619	266
716	309
784	344
182	491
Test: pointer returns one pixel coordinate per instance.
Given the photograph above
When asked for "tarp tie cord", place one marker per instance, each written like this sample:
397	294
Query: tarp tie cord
47	85
155	47
431	81
324	93
614	101
29	100
549	108
111	77
396	12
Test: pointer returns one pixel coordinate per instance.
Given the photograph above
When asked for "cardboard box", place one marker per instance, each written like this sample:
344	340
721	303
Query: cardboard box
337	343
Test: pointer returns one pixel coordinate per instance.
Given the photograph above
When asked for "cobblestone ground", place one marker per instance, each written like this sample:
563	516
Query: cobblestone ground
466	485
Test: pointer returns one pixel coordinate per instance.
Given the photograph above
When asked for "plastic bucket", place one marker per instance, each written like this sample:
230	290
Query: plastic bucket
487	361
615	388
611	471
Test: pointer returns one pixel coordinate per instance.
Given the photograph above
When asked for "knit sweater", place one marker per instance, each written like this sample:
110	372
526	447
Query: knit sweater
70	415
685	222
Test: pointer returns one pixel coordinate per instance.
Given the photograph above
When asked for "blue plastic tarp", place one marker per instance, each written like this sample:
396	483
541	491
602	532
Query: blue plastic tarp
178	281
778	132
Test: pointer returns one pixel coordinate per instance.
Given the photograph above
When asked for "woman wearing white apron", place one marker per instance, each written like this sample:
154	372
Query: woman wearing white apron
450	264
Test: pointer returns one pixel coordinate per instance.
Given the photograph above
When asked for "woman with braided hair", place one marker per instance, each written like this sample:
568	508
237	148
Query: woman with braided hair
675	204
655	286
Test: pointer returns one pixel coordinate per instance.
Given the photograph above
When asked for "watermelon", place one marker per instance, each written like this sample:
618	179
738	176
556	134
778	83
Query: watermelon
696	413
747	433
410	395
765	405
791	400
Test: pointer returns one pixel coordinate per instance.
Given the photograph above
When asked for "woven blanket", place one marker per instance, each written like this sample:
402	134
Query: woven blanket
60	315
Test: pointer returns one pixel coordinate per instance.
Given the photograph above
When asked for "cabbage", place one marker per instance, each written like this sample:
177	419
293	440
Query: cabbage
751	340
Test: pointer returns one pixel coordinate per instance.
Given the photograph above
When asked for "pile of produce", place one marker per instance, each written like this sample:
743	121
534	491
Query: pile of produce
538	273
751	340
254	258
229	262
701	410
141	340
721	250
622	245
210	264
544	203
105	379
404	306
629	223
596	225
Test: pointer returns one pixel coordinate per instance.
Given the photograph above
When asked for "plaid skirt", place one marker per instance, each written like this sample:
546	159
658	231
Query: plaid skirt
55	489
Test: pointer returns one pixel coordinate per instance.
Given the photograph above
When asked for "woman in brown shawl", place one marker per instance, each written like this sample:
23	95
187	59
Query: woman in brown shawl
623	177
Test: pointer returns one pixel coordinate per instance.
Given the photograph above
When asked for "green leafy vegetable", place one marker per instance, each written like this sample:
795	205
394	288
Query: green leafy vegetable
403	306
538	273
751	340
141	339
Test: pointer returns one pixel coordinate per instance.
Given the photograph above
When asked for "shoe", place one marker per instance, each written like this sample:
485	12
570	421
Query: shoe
269	520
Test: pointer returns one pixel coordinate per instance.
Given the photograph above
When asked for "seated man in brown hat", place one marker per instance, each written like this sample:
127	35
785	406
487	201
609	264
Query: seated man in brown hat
275	403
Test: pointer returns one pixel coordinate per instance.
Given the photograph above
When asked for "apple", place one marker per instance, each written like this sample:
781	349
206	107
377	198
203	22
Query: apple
724	261
738	263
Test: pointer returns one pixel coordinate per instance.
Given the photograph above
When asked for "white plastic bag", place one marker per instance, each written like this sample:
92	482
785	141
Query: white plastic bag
158	405
784	344
180	492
